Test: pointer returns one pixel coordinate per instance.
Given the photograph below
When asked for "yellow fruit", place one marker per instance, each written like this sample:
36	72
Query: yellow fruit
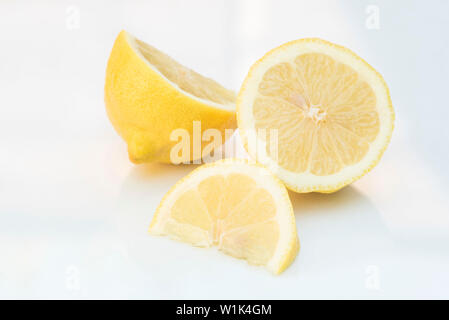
328	110
239	207
148	95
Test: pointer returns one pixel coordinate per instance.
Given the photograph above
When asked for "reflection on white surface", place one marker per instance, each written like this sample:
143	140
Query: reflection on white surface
411	196
74	211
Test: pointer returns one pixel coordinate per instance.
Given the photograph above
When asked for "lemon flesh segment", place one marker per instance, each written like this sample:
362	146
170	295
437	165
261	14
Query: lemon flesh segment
331	113
148	95
239	207
185	78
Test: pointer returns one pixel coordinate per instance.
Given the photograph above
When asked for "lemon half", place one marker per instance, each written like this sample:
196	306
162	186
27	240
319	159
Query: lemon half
148	95
327	111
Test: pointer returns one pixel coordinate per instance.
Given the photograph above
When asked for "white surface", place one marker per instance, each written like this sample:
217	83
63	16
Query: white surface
74	211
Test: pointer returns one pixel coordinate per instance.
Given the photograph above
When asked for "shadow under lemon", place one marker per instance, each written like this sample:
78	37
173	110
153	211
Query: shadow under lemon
123	244
140	194
340	229
142	191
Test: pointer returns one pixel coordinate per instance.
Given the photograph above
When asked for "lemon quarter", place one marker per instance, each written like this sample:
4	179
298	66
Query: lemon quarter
239	207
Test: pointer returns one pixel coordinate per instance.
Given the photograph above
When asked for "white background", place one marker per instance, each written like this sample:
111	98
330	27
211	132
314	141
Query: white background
74	211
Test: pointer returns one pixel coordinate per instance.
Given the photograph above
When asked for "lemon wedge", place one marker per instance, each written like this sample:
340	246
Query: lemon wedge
237	206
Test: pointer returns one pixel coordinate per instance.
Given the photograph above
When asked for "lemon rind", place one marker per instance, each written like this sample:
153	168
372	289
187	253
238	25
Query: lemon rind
144	108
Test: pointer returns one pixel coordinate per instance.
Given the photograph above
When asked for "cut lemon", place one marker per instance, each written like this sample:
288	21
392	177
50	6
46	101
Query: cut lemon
316	114
148	95
239	207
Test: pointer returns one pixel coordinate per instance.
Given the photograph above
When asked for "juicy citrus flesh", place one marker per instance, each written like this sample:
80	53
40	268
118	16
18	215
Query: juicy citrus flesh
185	78
233	211
324	111
149	95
